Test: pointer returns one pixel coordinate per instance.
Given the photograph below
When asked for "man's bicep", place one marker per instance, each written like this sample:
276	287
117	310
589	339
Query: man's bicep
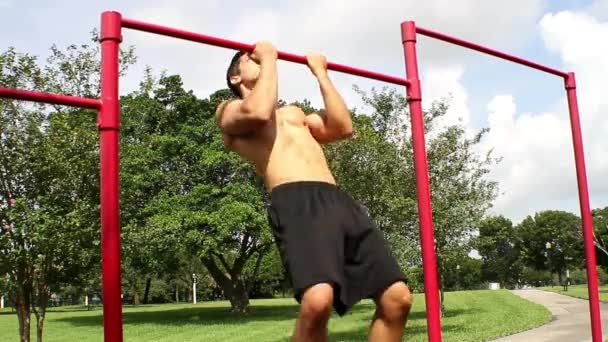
321	131
318	128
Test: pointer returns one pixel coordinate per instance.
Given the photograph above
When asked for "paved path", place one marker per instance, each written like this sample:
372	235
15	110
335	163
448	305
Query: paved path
571	320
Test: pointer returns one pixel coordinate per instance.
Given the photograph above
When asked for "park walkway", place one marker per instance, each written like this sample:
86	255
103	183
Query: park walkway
571	320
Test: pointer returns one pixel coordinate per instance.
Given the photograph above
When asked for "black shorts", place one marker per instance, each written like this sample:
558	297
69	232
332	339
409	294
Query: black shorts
325	236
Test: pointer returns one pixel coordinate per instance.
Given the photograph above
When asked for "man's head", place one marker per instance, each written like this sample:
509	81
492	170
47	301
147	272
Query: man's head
242	71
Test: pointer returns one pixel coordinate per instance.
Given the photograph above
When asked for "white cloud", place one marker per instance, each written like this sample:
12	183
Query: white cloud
538	171
599	9
359	33
446	82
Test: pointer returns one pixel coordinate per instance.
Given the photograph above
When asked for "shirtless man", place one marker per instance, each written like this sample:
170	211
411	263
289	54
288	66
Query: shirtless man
330	248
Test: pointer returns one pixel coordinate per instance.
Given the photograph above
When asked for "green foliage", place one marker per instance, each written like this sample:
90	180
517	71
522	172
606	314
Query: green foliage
579	276
498	247
464	273
377	168
551	240
533	277
49	189
600	227
183	194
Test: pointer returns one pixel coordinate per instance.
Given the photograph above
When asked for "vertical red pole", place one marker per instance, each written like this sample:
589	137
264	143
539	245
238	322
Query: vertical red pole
583	194
108	124
429	259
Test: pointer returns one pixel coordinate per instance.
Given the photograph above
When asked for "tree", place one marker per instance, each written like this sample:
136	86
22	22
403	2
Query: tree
497	244
48	219
600	227
377	168
48	180
551	240
463	272
184	193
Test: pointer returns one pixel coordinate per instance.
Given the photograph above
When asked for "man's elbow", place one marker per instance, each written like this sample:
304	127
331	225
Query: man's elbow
347	131
342	134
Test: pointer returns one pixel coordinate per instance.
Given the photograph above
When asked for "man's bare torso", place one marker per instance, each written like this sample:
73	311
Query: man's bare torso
284	150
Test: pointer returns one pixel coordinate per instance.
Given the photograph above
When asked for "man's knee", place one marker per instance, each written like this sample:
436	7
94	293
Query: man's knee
317	304
395	302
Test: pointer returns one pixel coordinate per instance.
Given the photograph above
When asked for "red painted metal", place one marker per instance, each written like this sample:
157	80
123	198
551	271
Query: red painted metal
583	193
108	124
35	96
489	51
431	288
229	44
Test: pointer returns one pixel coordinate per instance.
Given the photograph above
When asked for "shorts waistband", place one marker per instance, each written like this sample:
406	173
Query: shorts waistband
302	184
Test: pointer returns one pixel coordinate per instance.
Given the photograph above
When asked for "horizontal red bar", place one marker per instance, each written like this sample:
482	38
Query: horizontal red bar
35	96
229	44
489	51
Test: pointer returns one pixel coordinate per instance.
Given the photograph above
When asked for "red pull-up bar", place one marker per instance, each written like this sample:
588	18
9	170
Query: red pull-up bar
229	44
109	122
492	52
50	98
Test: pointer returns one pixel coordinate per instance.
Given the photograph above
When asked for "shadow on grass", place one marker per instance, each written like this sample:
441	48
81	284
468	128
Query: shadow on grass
262	313
360	333
195	315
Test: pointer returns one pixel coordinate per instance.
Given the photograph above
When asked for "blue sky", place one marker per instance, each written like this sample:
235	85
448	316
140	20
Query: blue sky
524	108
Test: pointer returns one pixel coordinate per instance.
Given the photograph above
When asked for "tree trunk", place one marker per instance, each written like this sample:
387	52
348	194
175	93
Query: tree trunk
135	295
40	324
176	293
442	300
42	300
22	305
147	291
239	297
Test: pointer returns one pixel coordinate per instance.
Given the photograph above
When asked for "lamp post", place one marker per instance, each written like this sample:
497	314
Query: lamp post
194	288
457	277
567	283
548	248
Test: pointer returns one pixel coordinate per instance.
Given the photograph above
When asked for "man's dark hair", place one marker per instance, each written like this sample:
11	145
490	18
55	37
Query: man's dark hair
233	70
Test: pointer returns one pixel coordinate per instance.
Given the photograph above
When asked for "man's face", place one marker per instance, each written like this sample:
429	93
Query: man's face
249	70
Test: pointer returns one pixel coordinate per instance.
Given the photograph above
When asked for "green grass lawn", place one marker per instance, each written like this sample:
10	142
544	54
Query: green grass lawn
578	291
470	316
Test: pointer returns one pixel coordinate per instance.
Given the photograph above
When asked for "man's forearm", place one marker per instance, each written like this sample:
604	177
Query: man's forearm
337	115
264	95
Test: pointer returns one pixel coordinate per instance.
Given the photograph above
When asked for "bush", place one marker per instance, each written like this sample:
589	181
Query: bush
534	277
579	276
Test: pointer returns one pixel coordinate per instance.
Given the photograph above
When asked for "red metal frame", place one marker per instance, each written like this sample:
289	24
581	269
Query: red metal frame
409	31
585	207
109	125
35	96
229	44
427	235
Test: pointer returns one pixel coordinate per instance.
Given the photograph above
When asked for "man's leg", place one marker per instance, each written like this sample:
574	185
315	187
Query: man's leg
392	309
315	310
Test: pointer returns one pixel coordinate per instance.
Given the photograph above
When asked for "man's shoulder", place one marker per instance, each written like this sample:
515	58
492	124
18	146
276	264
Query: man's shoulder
221	107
